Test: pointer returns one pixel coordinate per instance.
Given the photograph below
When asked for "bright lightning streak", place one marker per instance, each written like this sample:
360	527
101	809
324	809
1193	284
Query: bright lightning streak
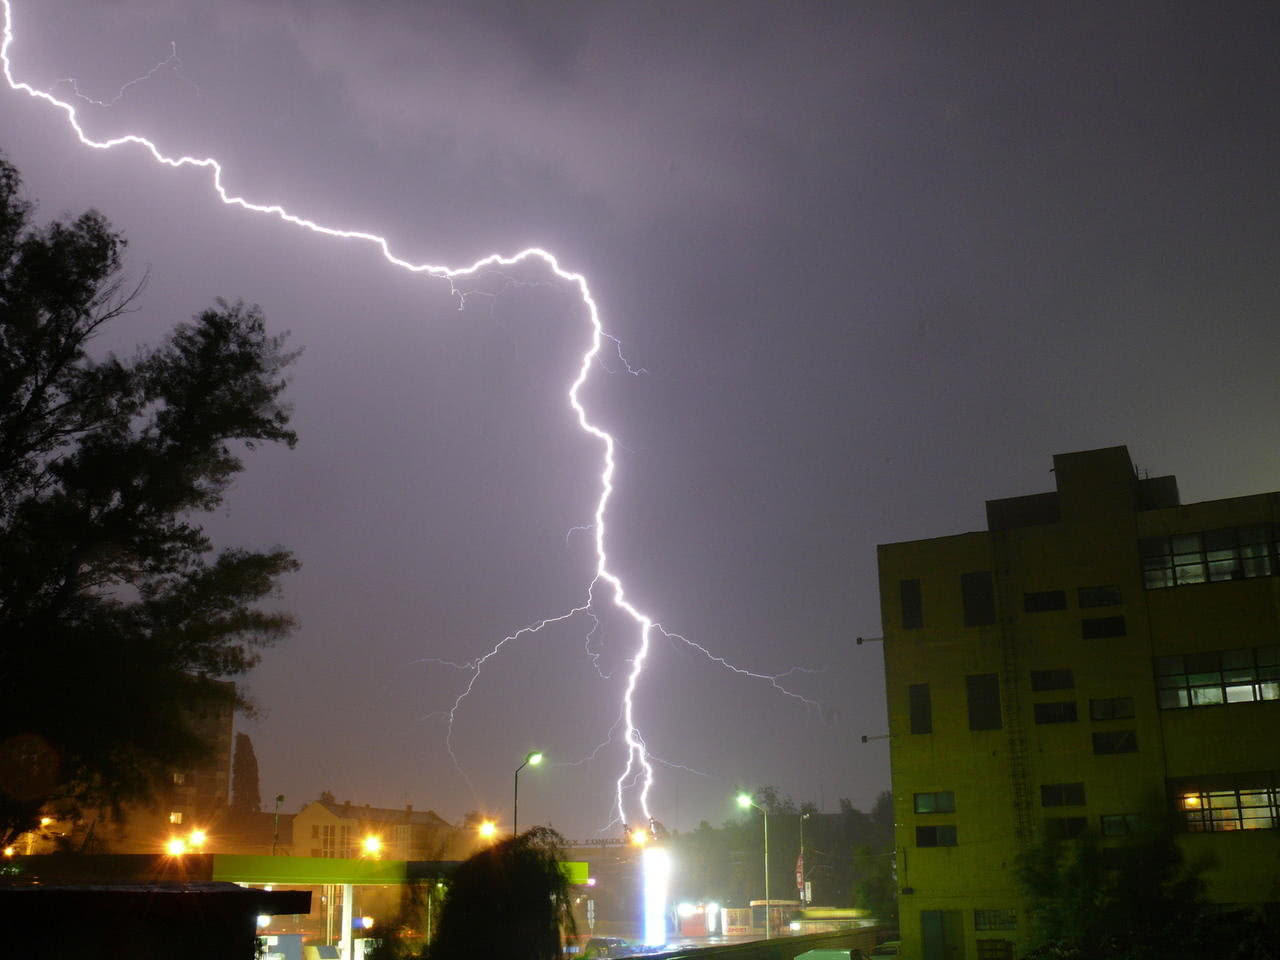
638	768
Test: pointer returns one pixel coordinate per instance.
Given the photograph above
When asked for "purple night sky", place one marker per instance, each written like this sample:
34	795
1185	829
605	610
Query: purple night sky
878	261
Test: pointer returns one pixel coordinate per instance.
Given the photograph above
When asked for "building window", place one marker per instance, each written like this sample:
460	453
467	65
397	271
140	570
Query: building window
1256	807
983	691
1099	628
939	836
1115	741
979	596
179	779
1253	803
995	950
941	801
1042	680
1111	708
921	708
1107	596
1235	553
315	831
175	816
1063	711
1065	828
1120	824
1062	794
995	920
1044	600
1226	676
912	605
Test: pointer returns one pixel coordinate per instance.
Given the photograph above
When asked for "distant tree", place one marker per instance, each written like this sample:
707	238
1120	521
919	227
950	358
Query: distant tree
326	796
509	900
116	615
875	885
245	795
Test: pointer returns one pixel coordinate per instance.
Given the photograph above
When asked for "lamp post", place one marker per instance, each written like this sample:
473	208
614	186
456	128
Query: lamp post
532	760
744	801
803	866
275	828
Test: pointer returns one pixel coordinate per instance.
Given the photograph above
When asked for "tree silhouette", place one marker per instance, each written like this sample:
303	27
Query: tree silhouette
510	900
115	612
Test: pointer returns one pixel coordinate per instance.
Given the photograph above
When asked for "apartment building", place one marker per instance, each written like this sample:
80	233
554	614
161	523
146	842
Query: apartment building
1100	654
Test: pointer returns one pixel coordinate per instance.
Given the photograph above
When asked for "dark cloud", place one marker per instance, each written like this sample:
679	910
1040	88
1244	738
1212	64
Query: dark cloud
880	262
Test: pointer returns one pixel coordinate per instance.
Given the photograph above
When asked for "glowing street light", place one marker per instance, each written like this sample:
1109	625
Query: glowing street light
744	801
176	847
372	845
487	830
197	839
639	837
531	760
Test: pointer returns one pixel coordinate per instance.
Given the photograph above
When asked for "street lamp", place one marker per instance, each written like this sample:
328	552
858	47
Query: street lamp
532	760
803	866
744	801
487	830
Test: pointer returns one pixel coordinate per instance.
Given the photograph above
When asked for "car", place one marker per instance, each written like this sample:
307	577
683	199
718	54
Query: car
605	947
887	949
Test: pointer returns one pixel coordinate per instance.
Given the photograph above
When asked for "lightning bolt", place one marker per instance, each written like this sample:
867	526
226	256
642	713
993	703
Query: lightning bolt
638	769
170	61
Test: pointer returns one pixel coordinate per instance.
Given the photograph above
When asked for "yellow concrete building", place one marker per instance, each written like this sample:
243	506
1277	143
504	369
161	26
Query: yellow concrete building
1098	655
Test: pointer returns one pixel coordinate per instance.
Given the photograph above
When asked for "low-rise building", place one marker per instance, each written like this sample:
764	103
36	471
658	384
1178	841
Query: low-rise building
1100	655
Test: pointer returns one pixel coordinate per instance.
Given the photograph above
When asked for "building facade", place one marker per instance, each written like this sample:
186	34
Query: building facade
323	829
1099	657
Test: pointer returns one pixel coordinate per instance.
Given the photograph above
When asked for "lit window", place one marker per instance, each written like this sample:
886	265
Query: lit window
1234	553
179	778
1218	677
942	801
1248	807
175	816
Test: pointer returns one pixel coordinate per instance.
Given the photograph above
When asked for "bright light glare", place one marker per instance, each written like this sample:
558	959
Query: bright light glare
657	875
372	844
487	829
1191	802
744	800
686	909
713	917
264	921
366	923
535	758
176	847
639	837
198	838
8	851
45	821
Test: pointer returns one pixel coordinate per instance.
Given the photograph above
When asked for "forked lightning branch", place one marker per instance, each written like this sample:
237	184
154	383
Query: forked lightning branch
636	778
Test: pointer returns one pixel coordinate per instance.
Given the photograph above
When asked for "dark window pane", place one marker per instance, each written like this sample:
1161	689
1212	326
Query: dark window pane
939	836
1064	828
921	708
978	593
1099	596
912	609
1096	628
983	691
1111	708
1062	794
1044	600
995	920
1051	680
1115	741
1058	712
